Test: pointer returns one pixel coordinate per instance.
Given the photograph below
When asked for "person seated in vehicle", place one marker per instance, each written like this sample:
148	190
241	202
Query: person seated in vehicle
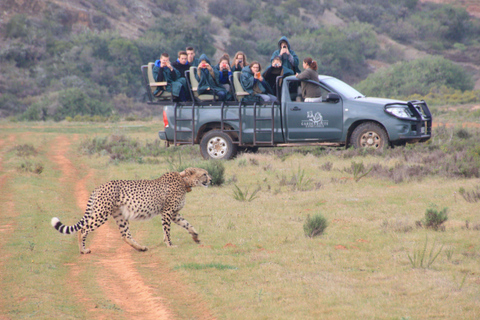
192	61
181	64
224	72
164	71
310	91
207	80
253	83
289	57
276	69
239	61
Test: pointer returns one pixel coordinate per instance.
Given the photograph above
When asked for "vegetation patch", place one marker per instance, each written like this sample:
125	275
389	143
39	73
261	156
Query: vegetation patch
203	266
315	226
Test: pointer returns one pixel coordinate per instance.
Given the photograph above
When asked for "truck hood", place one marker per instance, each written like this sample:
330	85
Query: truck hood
377	101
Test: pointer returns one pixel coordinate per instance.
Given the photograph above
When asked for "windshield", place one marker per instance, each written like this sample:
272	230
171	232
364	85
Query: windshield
342	88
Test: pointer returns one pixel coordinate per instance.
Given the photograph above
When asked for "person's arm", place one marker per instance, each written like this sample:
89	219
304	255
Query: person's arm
302	75
295	61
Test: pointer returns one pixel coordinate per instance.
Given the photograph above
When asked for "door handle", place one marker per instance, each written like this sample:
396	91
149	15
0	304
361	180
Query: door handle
295	109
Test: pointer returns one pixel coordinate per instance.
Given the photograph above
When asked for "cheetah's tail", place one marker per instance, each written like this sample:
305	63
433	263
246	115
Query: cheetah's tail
57	224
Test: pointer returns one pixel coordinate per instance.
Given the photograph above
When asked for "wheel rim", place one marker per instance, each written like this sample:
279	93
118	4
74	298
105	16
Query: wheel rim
217	147
371	139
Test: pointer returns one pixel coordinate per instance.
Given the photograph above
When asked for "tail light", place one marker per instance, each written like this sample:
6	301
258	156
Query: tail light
165	119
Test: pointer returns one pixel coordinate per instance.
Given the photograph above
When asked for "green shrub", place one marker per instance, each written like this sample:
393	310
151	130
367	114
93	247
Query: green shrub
434	218
215	168
419	76
314	226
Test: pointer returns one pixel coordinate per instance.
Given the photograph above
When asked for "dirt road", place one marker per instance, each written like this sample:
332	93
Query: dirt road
133	295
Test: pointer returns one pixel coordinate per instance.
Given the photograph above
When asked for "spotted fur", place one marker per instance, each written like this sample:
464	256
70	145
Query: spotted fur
128	200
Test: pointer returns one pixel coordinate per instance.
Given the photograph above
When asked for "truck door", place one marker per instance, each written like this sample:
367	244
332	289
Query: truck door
311	121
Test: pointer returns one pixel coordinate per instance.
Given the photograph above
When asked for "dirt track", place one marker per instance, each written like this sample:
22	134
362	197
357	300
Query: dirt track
119	279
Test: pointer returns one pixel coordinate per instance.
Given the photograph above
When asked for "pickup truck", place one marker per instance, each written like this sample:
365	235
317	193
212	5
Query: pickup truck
345	117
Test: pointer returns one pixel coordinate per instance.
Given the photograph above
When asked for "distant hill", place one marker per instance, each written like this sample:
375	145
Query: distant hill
53	51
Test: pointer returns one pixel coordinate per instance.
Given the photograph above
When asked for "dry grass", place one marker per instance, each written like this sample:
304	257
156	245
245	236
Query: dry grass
255	261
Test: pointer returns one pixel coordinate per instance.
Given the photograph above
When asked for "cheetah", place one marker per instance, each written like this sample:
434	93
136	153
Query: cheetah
128	200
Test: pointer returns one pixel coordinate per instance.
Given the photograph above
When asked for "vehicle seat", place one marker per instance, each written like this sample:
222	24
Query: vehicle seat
237	87
163	95
193	84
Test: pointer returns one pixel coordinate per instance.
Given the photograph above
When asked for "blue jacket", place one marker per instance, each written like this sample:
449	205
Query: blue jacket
173	79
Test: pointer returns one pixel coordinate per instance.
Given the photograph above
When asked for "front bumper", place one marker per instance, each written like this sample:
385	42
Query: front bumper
419	127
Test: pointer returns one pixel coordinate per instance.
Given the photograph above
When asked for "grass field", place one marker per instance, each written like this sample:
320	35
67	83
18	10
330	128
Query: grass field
254	261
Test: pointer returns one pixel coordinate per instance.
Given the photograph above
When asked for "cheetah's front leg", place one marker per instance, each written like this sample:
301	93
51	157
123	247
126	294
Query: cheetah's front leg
184	223
166	222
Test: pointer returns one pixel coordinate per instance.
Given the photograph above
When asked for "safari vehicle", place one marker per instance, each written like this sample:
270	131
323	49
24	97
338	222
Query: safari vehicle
345	117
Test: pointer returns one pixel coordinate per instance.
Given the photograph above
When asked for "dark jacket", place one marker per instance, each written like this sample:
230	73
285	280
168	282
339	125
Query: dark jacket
310	90
271	73
249	83
173	79
207	80
237	68
181	67
290	61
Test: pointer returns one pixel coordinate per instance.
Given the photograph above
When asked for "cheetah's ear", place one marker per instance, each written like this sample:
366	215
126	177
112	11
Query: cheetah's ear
187	172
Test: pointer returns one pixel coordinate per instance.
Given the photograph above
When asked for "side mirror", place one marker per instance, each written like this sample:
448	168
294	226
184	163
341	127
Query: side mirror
331	97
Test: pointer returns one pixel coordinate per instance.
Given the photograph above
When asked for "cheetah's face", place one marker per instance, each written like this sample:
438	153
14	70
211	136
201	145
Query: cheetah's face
196	177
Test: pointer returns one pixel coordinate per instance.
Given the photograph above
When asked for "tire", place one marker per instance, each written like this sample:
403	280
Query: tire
216	144
369	135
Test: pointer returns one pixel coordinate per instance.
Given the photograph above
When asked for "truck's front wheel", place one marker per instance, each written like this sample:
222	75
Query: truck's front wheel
216	144
371	135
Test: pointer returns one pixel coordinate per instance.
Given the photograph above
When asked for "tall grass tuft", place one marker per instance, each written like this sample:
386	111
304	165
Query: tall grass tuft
314	226
240	195
359	171
419	259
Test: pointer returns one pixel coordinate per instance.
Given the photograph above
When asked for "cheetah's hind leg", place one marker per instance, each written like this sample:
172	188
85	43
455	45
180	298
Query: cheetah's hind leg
82	236
123	225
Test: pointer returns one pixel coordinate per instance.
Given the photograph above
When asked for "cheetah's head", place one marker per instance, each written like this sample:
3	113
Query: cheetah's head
195	177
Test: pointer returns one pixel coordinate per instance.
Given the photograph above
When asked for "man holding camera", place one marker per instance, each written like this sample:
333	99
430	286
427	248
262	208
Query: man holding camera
164	71
288	56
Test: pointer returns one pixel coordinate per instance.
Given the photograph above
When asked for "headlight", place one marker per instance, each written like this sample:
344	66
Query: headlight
399	112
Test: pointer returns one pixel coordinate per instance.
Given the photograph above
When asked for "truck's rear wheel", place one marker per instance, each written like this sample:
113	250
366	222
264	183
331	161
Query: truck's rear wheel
216	144
369	135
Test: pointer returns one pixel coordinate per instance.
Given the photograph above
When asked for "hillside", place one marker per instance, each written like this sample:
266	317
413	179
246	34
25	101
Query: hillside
88	52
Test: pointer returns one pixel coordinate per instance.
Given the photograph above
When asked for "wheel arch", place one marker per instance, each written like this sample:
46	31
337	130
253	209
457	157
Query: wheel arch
354	125
214	126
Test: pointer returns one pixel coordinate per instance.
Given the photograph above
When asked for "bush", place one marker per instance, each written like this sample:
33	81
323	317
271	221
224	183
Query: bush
434	218
416	77
314	226
215	168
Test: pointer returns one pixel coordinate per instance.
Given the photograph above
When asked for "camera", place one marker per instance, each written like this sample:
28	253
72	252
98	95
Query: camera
284	47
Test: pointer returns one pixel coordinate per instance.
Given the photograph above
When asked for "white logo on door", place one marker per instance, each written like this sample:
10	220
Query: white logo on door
314	121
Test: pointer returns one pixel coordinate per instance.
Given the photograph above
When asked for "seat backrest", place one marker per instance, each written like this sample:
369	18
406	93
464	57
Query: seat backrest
237	85
150	72
193	79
